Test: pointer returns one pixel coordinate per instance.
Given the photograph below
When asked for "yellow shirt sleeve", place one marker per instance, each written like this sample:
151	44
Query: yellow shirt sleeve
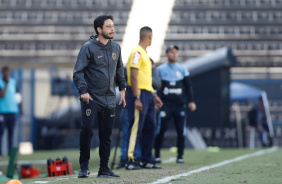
135	60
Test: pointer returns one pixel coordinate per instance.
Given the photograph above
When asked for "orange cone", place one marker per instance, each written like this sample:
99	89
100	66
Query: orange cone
14	182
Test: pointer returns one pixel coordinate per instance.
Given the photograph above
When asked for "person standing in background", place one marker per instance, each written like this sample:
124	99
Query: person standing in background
176	90
257	119
8	106
156	82
141	103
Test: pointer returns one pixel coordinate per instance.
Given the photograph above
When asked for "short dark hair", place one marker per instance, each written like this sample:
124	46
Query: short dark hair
5	68
99	21
171	47
144	32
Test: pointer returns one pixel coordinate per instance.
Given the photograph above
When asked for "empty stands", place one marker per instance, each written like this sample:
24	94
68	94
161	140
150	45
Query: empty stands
252	28
38	33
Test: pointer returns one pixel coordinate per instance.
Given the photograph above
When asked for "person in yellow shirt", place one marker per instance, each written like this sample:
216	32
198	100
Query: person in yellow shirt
141	102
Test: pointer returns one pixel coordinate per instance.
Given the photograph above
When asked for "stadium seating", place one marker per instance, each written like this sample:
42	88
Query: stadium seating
52	31
250	27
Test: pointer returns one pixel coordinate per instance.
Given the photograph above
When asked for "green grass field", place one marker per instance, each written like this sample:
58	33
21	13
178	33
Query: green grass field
259	169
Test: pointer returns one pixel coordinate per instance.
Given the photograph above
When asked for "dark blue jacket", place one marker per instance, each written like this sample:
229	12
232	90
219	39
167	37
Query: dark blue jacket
98	68
176	83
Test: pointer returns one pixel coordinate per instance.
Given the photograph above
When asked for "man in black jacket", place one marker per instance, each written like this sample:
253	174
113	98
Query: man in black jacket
98	68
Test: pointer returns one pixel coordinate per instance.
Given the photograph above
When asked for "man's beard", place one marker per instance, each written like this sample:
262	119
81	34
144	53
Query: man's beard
106	36
172	60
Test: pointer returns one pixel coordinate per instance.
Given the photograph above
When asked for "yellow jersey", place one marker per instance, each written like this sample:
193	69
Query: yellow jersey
140	60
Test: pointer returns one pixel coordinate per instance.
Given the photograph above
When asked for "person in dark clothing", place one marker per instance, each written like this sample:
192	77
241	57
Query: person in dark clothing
257	119
156	80
156	83
98	68
175	91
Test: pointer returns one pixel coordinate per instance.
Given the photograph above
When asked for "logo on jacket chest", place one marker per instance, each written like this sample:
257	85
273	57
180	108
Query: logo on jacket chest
114	56
168	91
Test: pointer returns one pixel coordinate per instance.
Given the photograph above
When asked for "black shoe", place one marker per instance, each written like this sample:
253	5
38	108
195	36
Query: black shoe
148	165
132	166
106	173
83	173
121	165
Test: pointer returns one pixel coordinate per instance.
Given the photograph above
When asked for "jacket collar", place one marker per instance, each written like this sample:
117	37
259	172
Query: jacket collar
100	44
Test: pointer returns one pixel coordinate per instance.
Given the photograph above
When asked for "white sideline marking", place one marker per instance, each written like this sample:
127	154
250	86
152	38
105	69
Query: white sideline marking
41	182
258	153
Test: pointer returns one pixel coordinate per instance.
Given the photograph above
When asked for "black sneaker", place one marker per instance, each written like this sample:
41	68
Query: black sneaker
106	173
148	165
132	166
157	160
83	173
121	165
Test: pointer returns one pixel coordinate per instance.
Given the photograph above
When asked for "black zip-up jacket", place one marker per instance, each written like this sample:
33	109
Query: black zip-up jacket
98	69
